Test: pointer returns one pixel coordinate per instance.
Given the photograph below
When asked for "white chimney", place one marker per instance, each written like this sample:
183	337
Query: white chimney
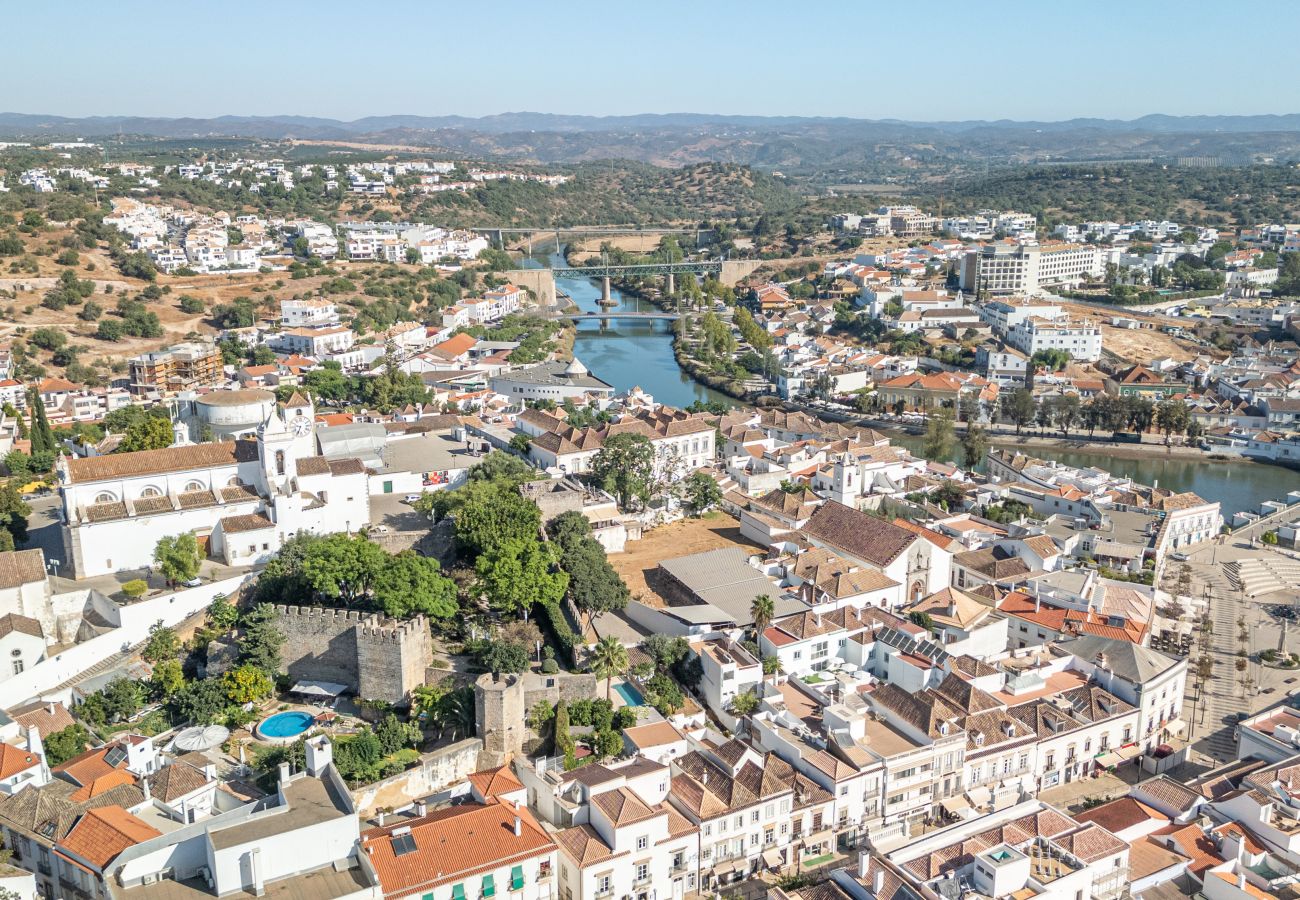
519	826
148	791
878	881
284	773
421	808
34	744
382	815
255	864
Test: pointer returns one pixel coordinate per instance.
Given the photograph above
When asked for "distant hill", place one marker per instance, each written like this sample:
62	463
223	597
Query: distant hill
843	146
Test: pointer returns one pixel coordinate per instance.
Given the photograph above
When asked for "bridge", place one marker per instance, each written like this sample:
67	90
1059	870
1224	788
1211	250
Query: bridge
611	314
498	235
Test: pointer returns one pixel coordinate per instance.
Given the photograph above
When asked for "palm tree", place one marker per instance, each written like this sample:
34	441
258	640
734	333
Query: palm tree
608	658
762	610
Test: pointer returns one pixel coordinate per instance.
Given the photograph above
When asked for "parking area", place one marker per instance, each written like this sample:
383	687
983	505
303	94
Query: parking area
392	512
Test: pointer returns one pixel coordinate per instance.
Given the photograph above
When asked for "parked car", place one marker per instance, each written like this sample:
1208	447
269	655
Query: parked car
411	498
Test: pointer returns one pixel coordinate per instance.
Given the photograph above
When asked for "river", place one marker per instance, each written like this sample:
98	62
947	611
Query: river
631	353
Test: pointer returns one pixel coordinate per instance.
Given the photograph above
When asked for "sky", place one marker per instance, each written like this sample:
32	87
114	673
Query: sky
921	61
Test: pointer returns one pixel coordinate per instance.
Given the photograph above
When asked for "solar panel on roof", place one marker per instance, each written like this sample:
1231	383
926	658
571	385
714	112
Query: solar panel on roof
403	844
115	756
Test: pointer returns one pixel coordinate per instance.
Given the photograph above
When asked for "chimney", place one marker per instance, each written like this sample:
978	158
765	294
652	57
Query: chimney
1241	879
421	808
519	826
34	745
49	707
382	815
284	773
878	881
255	865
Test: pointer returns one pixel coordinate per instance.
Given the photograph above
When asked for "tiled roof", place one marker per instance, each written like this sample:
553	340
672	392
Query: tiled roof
250	522
453	844
858	534
1164	790
12	622
584	846
86	767
46	715
46	813
1192	842
623	807
156	462
492	782
101	834
1092	842
15	759
19	567
176	780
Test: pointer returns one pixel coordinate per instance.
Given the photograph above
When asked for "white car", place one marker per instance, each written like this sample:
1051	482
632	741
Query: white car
1179	557
193	582
411	498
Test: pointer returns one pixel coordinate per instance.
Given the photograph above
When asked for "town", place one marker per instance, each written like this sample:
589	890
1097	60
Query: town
658	506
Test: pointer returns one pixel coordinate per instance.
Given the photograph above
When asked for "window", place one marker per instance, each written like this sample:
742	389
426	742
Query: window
753	816
602	885
517	878
196	486
642	871
150	491
753	839
105	497
642	842
18	666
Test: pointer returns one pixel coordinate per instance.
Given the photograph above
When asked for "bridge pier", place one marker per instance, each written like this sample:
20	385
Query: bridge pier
671	284
605	297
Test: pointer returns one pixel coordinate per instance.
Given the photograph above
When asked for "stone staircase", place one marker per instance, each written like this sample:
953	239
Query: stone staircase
1264	575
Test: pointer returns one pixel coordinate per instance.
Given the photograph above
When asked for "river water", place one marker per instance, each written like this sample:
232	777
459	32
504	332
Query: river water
628	353
631	353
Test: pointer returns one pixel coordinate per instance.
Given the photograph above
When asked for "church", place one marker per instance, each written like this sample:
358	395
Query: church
241	499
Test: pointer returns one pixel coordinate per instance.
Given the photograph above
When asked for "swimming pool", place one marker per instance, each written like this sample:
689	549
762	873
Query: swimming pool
285	725
631	696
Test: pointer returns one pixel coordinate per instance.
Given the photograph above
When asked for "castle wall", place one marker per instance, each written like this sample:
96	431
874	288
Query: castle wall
377	658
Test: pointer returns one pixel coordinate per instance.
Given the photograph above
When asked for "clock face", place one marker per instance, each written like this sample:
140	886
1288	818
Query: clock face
300	425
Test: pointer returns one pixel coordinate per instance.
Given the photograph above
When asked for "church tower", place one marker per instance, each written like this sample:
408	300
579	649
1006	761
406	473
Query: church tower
287	435
846	480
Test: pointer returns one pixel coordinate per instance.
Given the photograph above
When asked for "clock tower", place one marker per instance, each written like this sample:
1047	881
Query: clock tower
287	435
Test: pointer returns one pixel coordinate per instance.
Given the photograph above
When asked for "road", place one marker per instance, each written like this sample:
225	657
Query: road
1214	734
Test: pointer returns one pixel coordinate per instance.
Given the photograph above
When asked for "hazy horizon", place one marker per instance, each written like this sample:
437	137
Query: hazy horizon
1002	61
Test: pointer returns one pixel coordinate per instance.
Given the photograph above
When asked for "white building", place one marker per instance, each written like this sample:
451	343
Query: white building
241	499
1082	340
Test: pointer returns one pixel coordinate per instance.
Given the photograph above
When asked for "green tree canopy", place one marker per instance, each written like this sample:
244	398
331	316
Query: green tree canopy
625	467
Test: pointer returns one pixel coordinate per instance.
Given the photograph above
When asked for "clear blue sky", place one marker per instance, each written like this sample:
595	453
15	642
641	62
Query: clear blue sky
1045	60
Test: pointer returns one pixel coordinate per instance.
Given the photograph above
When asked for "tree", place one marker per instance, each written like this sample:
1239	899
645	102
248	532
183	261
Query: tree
594	586
150	433
504	657
762	608
246	683
409	583
744	704
518	574
222	614
1065	412
608	658
490	513
395	735
110	330
178	557
42	437
261	640
503	467
665	650
1172	417
66	743
563	741
161	644
974	444
14	513
121	698
625	467
343	567
939	435
201	702
135	588
1019	407
702	492
167	679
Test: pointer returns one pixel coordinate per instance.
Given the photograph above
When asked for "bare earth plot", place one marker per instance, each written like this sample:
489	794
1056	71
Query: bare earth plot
711	532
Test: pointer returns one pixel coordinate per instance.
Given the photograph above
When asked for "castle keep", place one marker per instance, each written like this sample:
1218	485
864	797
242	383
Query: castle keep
376	657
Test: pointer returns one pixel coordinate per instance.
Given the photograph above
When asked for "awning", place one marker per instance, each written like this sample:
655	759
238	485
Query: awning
489	886
318	688
772	858
458	892
517	878
955	804
1109	760
979	796
1177	726
1128	753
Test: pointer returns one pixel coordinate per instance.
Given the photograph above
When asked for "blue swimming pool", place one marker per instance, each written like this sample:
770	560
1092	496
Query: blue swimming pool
285	725
631	696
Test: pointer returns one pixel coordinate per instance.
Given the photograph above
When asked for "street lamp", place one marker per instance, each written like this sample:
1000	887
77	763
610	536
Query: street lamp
53	563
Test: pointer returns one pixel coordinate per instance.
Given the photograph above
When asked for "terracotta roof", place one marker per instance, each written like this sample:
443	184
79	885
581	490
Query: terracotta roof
12	622
16	759
454	346
86	767
858	534
491	782
174	781
19	567
1249	888
623	807
453	844
156	462
1193	843
101	834
250	522
1146	857
584	846
654	734
1092	842
46	715
47	813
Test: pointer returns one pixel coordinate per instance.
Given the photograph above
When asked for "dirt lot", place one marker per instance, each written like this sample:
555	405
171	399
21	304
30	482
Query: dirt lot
711	532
